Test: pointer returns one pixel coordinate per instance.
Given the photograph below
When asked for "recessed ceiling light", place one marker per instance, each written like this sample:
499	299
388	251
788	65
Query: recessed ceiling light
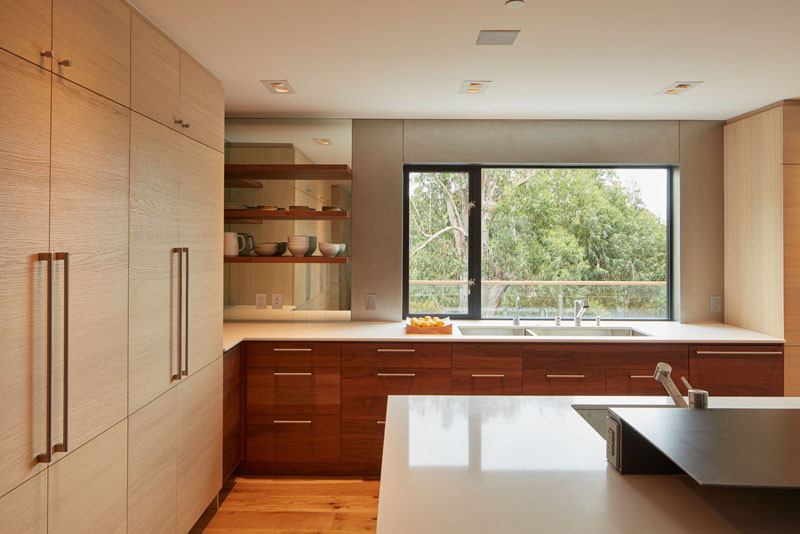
515	4
474	87
322	141
279	87
497	37
678	88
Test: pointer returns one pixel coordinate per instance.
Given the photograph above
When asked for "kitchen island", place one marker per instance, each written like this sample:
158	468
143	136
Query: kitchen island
513	464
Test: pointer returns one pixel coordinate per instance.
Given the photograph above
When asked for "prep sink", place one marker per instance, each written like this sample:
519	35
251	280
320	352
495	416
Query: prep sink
555	331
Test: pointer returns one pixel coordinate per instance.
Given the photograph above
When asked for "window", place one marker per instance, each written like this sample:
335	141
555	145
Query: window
480	237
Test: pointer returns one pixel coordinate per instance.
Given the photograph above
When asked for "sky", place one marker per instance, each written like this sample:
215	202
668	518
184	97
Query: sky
652	185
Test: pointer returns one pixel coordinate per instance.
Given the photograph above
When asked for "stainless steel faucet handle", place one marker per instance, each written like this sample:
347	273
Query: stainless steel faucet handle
686	383
663	369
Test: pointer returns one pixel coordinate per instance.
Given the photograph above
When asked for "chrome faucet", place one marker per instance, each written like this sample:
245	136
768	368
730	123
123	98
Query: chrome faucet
663	370
580	309
515	320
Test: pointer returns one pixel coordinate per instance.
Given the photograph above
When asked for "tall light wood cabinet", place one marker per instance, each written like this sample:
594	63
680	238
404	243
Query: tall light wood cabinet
25	29
24	510
202	104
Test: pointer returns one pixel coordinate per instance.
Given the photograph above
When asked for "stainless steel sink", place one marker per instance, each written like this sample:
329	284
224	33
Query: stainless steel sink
494	331
553	331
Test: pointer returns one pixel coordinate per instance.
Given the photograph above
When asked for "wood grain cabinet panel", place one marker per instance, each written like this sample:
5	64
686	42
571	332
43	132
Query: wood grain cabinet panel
304	438
737	370
202	104
24	510
155	73
293	390
604	355
487	355
25	29
87	489
365	390
95	35
564	381
89	220
232	393
24	203
293	354
487	381
640	381
389	355
362	442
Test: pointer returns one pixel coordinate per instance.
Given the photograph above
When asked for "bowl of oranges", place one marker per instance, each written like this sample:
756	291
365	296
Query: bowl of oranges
428	325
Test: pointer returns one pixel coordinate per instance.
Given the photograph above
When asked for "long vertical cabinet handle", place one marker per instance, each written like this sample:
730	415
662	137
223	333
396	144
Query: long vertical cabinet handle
47	456
179	252
62	447
186	323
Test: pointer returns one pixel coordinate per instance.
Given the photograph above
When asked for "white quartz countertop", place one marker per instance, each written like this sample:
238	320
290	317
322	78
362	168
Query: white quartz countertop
659	332
486	465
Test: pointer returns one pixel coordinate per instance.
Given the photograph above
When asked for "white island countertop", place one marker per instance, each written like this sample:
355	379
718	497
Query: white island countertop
491	465
658	332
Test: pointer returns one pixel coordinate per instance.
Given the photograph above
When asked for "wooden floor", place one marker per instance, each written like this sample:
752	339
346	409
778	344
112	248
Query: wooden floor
294	505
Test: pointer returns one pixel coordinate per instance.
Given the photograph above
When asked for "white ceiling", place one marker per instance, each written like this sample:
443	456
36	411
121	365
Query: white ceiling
587	59
299	132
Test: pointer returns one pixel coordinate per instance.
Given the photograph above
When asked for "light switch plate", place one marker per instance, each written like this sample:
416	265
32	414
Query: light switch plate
277	301
261	301
372	301
715	303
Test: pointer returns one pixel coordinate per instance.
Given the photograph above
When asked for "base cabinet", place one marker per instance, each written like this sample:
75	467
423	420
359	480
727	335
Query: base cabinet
24	509
737	370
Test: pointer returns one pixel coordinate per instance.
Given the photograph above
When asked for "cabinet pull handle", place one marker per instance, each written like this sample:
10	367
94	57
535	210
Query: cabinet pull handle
293	374
397	375
185	124
47	53
487	376
179	121
65	62
742	353
186	322
396	350
381	422
286	422
47	456
64	256
278	349
640	376
566	376
179	374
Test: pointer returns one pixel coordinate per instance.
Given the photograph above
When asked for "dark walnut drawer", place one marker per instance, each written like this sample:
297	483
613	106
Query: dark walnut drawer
737	370
561	381
293	354
362	441
640	382
486	381
364	390
388	355
293	438
487	356
288	390
604	355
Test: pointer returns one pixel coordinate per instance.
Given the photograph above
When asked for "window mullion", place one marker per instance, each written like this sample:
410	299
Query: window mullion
475	187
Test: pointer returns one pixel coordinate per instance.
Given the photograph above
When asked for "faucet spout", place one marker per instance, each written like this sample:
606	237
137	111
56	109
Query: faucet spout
580	309
662	372
515	320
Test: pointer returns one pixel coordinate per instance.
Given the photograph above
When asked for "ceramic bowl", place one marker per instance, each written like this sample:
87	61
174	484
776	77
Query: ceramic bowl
282	246
329	249
266	249
342	248
312	245
298	250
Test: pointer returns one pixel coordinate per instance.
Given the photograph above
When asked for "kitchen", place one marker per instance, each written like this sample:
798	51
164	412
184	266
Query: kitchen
156	380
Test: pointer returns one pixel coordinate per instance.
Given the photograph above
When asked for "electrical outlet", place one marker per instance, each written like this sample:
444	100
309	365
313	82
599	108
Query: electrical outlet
261	301
372	301
277	301
715	303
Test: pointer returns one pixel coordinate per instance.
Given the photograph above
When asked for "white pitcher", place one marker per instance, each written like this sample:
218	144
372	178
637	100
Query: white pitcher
234	243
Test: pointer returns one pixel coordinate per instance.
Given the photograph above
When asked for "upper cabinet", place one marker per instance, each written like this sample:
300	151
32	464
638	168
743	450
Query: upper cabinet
92	45
25	29
202	104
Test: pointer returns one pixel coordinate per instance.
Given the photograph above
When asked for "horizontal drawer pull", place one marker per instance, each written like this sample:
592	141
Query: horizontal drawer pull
641	376
381	422
566	376
397	375
293	374
285	422
277	349
396	350
743	353
488	376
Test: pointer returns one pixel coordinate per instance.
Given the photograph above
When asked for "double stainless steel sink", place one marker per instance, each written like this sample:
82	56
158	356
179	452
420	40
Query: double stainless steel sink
552	331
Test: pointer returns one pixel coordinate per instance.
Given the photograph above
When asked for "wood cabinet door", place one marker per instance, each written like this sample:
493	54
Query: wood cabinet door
365	390
24	203
152	466
153	267
562	381
293	354
89	220
155	73
232	390
200	230
199	442
737	370
95	35
640	381
25	28
202	104
305	438
24	510
487	382
272	390
362	442
87	489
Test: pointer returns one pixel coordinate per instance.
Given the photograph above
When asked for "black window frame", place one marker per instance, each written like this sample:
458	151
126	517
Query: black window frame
475	171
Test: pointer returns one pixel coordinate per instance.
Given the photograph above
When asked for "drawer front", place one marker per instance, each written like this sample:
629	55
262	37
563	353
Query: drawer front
293	354
289	390
737	370
604	355
561	381
487	355
364	390
293	438
641	382
362	441
390	355
487	382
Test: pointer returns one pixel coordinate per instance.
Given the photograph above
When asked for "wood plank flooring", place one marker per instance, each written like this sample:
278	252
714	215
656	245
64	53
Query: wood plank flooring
293	505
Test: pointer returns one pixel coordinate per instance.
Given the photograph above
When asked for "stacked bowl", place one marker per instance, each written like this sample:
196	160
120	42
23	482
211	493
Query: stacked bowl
302	245
331	249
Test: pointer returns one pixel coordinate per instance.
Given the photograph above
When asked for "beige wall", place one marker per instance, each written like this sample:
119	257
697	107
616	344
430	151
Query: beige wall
380	147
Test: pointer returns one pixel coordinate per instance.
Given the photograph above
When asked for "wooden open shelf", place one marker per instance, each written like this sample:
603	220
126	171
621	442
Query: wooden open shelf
242	183
286	259
236	173
256	216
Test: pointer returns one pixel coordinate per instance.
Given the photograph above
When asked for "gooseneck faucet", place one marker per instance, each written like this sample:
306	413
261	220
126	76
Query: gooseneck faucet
515	320
580	309
663	370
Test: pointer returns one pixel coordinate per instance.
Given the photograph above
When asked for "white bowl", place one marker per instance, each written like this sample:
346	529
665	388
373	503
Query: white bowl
298	250
329	249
